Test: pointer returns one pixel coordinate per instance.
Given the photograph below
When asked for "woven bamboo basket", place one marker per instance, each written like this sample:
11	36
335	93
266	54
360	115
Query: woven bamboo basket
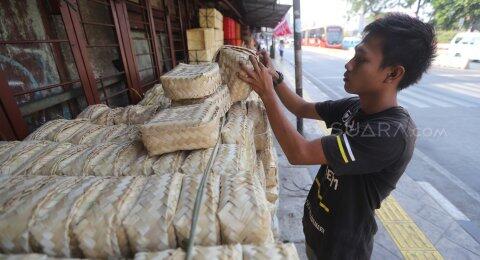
221	98
269	159
225	252
136	114
108	116
5	147
277	251
130	115
263	134
23	155
91	134
149	225
229	59
66	131
188	81
253	97
94	134
155	96
132	159
14	188
242	211
44	164
69	163
208	229
50	227
83	132
260	172
239	130
93	111
169	162
103	161
19	209
121	133
31	256
182	128
100	233
45	131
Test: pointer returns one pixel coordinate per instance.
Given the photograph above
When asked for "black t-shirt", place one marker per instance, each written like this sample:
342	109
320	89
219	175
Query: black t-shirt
366	156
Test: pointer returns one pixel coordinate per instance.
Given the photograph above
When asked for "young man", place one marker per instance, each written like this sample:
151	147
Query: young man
372	138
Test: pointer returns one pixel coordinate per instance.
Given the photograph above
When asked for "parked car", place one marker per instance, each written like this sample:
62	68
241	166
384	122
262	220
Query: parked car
350	42
466	44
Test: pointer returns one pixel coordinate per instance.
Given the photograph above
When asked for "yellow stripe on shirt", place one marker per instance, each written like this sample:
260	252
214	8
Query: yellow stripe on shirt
339	142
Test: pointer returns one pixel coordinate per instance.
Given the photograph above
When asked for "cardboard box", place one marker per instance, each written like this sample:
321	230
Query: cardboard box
200	38
210	18
201	55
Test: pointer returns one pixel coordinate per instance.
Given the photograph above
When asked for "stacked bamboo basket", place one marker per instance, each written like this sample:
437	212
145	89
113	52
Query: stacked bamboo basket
204	42
122	183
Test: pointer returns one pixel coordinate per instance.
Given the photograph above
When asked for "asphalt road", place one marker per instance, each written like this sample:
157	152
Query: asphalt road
445	106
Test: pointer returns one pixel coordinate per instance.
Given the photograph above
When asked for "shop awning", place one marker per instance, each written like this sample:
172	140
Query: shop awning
263	13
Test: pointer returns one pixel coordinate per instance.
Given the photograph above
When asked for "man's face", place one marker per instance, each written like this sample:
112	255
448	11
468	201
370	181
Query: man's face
363	73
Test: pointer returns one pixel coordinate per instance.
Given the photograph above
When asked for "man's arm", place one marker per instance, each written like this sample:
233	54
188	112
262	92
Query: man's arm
295	104
297	149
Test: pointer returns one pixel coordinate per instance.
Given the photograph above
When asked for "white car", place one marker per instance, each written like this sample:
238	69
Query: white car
467	45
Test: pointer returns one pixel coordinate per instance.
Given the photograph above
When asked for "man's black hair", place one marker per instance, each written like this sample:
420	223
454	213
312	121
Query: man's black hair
406	41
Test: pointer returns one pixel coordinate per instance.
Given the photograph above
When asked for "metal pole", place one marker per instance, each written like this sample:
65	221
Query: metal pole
297	38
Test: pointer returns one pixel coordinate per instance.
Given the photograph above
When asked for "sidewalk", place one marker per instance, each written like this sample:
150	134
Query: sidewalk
411	224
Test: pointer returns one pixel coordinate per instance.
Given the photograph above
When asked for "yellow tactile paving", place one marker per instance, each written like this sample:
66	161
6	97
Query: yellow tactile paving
410	240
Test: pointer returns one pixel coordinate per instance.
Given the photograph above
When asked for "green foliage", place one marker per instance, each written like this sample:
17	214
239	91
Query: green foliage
376	7
448	14
445	36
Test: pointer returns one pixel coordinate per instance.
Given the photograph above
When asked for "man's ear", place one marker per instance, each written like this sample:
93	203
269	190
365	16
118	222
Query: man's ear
394	73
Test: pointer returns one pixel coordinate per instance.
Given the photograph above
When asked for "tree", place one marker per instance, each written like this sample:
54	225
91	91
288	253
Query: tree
375	7
459	14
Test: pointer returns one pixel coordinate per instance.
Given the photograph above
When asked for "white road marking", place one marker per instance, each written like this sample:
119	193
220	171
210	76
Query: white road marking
440	169
467	86
330	90
410	101
442	201
422	90
458	90
458	75
424	98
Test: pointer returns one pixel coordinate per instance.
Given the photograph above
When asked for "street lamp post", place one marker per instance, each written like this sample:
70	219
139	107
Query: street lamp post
297	38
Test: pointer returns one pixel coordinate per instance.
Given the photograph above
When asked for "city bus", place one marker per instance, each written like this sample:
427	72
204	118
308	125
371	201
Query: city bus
325	36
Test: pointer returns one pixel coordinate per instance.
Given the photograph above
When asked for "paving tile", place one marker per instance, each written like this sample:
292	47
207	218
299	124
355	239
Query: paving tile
407	186
290	213
430	230
381	253
456	234
294	181
452	251
301	251
417	207
471	229
383	239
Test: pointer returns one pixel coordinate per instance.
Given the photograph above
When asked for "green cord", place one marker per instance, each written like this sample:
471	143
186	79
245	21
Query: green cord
198	198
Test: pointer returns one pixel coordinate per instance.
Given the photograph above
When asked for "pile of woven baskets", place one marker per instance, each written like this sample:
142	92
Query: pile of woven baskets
124	182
